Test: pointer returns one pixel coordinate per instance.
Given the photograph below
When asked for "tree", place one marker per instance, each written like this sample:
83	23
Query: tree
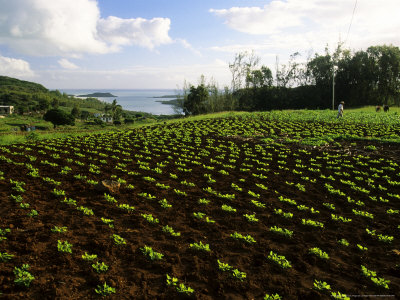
260	78
84	115
386	60
241	68
117	113
288	75
195	103
107	108
58	117
55	103
116	110
75	112
43	103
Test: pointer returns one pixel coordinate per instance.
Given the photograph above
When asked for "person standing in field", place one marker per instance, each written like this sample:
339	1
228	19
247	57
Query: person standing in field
340	110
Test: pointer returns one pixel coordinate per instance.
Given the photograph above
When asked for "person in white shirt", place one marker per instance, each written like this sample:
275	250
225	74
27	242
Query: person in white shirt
340	110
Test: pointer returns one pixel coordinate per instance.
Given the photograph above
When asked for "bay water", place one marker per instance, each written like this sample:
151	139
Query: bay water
134	100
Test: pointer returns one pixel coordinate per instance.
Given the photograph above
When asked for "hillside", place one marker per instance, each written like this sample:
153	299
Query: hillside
28	96
12	84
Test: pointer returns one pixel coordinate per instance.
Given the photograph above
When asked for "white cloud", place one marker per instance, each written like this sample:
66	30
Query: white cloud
146	33
188	46
15	67
313	23
66	64
65	27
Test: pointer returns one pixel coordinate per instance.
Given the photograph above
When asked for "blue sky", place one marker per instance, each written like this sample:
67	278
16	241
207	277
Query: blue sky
146	44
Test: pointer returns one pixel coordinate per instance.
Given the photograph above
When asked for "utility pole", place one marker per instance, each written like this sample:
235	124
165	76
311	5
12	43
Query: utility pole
333	87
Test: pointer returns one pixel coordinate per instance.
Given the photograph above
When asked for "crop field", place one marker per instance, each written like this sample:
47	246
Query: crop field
256	206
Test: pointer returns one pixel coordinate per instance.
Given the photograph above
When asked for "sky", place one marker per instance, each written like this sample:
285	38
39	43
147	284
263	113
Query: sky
149	44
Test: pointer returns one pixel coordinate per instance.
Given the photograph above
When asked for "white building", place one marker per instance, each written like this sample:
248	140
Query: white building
6	110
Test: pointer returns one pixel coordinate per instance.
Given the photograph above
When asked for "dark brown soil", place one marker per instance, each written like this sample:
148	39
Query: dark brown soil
67	276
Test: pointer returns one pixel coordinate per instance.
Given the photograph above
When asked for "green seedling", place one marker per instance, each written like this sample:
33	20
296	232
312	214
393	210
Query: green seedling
248	238
4	256
343	242
104	290
164	203
318	252
118	240
238	274
170	230
321	285
85	210
22	276
149	218
200	246
57	229
279	259
151	254
224	266
282	231
339	295
89	257
58	193
110	198
126	207
251	218
228	208
272	297
64	246
32	213
100	267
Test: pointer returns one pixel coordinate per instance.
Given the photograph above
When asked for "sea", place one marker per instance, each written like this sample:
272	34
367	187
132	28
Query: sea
134	100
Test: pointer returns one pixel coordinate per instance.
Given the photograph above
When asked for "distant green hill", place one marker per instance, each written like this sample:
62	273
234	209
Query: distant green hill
13	84
28	96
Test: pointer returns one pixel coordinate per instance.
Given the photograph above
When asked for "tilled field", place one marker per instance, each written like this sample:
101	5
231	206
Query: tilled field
225	213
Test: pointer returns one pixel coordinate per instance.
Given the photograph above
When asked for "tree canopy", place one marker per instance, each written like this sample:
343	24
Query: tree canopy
361	78
58	117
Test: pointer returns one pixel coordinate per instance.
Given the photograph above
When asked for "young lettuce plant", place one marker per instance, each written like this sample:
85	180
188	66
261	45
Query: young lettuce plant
22	276
248	238
104	290
170	230
321	285
100	267
200	247
149	218
4	256
272	297
89	257
58	229
282	231
151	254
318	252
64	246
180	287
126	207
118	240
279	259
251	218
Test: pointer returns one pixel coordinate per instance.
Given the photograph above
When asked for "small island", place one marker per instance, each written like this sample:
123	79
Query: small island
166	96
174	102
98	95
